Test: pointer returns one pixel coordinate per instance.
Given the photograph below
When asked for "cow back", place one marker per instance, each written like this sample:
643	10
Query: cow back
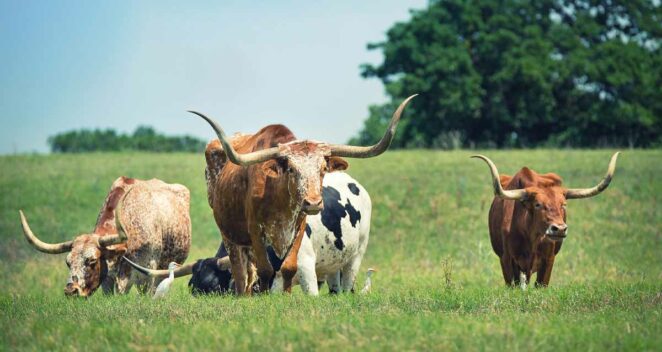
155	217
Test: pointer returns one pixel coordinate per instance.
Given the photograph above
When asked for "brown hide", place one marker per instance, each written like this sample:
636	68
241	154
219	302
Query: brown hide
517	228
255	205
228	191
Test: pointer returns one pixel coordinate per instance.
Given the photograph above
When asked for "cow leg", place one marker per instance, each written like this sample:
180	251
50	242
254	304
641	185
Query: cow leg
123	281
265	271
277	285
518	276
289	266
348	274
306	268
544	274
252	273
108	286
334	282
507	270
153	282
239	262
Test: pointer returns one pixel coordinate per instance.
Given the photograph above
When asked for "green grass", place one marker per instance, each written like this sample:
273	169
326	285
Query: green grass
439	284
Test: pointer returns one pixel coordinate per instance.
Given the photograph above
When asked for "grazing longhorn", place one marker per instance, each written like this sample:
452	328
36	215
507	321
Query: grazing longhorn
262	196
332	249
527	220
147	221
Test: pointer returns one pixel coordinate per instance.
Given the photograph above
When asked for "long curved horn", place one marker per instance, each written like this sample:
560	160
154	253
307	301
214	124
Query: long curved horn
351	151
120	237
56	248
512	194
183	270
577	193
239	159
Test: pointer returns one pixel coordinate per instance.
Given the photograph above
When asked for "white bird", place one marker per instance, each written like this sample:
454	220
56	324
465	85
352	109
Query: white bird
368	283
164	286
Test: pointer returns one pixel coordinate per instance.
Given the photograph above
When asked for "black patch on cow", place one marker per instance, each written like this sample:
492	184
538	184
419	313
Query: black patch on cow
333	213
354	215
308	230
222	251
273	259
353	188
207	278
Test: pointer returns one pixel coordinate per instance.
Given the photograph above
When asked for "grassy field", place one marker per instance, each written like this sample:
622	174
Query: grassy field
439	284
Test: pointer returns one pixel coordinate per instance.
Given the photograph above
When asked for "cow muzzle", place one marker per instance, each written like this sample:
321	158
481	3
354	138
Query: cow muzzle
557	231
312	206
72	290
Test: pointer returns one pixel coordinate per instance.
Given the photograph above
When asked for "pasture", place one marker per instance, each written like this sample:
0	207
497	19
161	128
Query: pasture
439	284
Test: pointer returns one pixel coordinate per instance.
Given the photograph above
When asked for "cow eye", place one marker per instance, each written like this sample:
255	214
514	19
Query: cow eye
538	205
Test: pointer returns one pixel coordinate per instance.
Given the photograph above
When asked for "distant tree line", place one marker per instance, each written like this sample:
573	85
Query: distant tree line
510	73
144	138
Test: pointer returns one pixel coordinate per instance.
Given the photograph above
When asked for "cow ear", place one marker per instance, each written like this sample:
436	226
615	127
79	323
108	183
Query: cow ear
336	163
114	252
529	197
271	168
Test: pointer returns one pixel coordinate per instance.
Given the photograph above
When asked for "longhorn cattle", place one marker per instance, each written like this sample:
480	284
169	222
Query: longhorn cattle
527	220
262	196
332	250
147	221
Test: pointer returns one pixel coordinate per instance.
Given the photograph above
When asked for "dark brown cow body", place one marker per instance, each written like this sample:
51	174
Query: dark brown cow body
261	187
527	221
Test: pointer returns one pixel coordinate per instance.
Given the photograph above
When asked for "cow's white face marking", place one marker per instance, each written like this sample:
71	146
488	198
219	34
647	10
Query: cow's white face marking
306	166
82	258
309	168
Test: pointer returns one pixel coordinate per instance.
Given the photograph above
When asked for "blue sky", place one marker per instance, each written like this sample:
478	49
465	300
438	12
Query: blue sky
82	64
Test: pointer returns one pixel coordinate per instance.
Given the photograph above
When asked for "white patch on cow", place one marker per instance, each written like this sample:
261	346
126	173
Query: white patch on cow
522	280
309	167
329	260
284	231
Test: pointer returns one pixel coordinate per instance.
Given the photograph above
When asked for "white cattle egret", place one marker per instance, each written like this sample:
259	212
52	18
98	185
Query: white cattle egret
368	283
164	286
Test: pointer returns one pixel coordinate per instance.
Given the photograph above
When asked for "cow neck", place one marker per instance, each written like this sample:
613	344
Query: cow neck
523	225
281	229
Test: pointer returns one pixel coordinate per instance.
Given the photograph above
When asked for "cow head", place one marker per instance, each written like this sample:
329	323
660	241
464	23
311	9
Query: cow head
546	202
300	168
209	276
304	162
547	207
87	258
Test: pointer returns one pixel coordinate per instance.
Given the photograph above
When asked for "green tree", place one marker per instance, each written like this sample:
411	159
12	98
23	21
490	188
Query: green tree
518	73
